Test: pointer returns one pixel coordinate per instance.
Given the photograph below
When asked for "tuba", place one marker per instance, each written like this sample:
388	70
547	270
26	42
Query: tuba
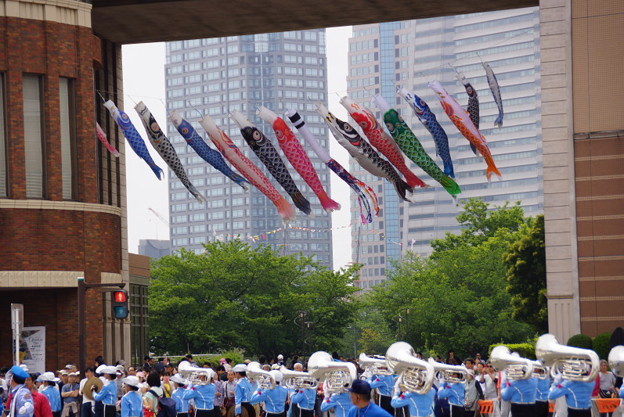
337	377
297	379
455	374
375	365
415	375
540	371
571	363
263	378
192	373
516	367
616	360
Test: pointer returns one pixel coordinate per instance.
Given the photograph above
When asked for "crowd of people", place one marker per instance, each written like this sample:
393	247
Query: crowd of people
164	389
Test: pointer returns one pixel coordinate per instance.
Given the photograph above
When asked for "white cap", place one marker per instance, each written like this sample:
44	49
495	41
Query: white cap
277	375
275	366
111	370
131	380
241	367
177	378
74	373
100	369
48	376
280	357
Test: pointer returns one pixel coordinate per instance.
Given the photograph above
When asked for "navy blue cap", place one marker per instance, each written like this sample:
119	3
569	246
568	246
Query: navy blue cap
359	386
19	372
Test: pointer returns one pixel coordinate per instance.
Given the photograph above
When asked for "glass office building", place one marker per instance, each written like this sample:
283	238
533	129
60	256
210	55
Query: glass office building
410	54
280	71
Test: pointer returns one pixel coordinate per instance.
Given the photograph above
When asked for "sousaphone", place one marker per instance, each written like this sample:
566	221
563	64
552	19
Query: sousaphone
92	382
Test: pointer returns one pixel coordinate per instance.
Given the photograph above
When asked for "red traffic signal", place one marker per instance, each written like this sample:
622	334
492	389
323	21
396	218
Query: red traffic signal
120	304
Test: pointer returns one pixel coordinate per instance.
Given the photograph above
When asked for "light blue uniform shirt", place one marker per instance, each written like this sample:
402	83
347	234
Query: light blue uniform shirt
543	386
182	405
22	399
383	383
341	403
420	405
131	405
521	391
54	397
242	394
202	395
454	393
577	393
274	399
305	398
108	394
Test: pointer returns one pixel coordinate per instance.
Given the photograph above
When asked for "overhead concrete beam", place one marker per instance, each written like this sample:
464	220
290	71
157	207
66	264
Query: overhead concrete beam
138	21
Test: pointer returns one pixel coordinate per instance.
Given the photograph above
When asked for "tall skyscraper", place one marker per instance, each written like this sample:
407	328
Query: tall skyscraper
410	54
280	71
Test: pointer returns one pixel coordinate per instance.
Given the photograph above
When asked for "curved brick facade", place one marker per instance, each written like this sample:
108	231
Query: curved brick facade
46	244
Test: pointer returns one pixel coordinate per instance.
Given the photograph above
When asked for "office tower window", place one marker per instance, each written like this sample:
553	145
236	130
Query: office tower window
33	136
68	137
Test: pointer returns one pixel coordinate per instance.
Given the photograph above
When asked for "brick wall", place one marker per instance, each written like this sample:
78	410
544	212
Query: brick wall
51	239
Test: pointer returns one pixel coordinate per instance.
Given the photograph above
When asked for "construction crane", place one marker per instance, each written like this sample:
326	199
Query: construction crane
160	217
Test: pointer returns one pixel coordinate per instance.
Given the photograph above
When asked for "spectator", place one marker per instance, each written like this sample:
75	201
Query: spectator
70	396
86	409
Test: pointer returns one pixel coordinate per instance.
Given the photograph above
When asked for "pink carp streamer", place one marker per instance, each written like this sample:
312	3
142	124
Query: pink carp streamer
231	152
380	139
297	157
102	138
360	188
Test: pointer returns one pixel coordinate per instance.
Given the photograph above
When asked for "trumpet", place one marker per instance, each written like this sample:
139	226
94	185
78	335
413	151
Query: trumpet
571	363
193	373
616	360
415	375
337	377
264	379
374	365
455	374
516	367
297	379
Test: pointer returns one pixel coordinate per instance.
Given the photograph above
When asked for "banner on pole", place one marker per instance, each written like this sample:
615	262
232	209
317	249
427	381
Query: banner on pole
32	348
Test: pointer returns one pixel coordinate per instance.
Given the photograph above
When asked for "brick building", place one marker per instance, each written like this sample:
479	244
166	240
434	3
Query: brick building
62	195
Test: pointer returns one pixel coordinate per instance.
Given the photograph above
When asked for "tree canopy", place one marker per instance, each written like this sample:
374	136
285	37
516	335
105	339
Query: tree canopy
455	299
233	295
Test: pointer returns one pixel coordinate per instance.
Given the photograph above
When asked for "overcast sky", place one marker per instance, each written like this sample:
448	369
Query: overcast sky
144	80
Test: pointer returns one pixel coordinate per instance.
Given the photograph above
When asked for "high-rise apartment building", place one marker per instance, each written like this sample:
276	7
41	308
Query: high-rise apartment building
410	54
280	71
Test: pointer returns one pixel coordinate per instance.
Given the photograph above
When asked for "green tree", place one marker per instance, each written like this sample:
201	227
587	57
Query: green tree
456	298
236	296
479	223
526	275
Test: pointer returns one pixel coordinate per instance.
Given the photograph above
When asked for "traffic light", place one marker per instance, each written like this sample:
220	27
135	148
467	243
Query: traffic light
120	304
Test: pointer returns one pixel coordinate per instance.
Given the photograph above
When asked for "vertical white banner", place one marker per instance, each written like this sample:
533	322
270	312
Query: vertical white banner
32	348
17	322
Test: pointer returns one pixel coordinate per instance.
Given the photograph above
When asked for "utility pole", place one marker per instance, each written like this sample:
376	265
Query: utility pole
82	289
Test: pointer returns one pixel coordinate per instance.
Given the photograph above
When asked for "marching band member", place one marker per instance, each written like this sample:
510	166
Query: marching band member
274	399
384	385
577	395
51	392
521	393
340	403
131	403
182	405
541	394
108	393
305	399
203	395
360	393
419	405
243	391
455	394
